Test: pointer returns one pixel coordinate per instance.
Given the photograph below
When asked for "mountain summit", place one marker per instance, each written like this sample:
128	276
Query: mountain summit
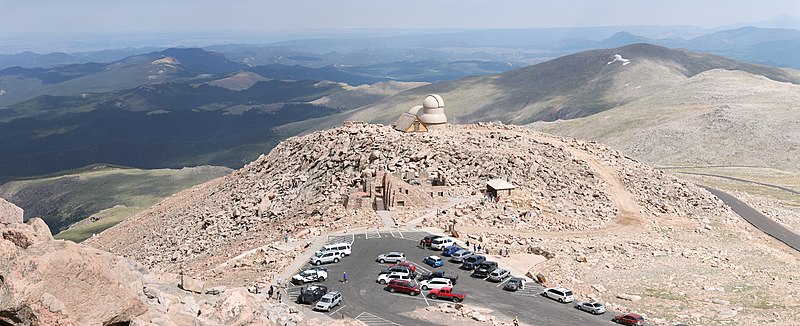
568	87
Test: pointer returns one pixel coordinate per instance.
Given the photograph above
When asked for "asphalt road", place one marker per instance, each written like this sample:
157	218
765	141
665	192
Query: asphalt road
760	221
368	301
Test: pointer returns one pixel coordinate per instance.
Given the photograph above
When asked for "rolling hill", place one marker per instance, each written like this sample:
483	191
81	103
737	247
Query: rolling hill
572	86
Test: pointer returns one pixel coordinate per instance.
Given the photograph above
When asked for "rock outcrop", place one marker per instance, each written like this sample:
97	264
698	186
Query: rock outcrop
48	282
10	213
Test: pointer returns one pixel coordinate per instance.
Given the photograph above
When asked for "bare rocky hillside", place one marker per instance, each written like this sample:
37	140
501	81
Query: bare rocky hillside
718	117
301	183
614	229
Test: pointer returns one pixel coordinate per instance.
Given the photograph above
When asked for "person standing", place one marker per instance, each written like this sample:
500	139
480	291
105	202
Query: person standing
280	296
516	320
270	292
344	277
506	251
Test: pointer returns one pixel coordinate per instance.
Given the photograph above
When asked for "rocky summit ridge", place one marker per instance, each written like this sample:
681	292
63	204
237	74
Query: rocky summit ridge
298	190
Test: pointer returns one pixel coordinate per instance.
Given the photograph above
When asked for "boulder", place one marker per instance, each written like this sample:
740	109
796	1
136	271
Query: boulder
10	213
63	283
192	285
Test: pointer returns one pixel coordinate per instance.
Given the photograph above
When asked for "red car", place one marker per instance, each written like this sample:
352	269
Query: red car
447	294
406	264
404	286
629	319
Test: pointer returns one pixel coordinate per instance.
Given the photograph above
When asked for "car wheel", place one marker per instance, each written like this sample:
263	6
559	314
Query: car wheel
456	300
433	296
301	281
335	260
425	287
561	300
391	290
383	282
316	263
383	261
322	279
414	293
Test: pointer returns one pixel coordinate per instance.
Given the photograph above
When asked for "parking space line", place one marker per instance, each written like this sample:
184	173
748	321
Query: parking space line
400	233
366	235
392	233
370	319
379	233
419	266
337	310
503	282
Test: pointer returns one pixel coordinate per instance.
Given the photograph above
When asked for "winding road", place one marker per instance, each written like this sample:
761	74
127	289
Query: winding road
759	220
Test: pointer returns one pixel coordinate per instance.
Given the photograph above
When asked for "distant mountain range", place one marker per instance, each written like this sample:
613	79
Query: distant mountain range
172	108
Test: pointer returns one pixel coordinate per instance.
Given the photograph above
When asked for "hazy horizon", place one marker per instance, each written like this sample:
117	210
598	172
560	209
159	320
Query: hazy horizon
50	25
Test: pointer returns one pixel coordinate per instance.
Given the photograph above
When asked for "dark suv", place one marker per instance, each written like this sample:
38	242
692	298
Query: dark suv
472	261
312	293
404	286
484	269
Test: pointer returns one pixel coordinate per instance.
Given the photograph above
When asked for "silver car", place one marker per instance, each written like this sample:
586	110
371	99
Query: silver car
594	307
329	300
459	256
498	275
391	257
324	257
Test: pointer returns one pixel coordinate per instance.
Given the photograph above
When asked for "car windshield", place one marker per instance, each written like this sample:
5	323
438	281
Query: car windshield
596	305
472	259
325	299
306	273
319	254
568	293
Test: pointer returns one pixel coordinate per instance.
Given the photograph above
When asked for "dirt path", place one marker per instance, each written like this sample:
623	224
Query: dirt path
629	210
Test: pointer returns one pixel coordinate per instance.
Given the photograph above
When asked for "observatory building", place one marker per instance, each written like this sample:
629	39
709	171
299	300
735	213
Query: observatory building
423	117
432	111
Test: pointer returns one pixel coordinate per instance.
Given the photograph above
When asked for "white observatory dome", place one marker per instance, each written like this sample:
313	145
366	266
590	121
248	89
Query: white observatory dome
433	110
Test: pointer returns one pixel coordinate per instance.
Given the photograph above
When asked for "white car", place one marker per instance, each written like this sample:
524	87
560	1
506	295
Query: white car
329	300
385	278
440	243
435	283
559	294
391	257
310	275
325	257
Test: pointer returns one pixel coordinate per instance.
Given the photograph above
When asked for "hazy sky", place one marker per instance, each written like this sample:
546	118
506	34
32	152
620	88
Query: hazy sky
19	17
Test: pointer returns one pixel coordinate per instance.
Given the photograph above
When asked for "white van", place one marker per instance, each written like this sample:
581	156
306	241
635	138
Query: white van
440	243
343	248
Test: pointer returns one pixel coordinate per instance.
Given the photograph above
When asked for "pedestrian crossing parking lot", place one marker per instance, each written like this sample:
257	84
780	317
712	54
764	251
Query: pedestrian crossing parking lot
371	320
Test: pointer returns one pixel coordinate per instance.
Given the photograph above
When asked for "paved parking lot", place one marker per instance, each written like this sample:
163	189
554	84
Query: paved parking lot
368	301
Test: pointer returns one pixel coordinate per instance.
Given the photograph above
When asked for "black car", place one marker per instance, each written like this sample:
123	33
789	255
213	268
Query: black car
312	293
438	274
472	261
484	269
